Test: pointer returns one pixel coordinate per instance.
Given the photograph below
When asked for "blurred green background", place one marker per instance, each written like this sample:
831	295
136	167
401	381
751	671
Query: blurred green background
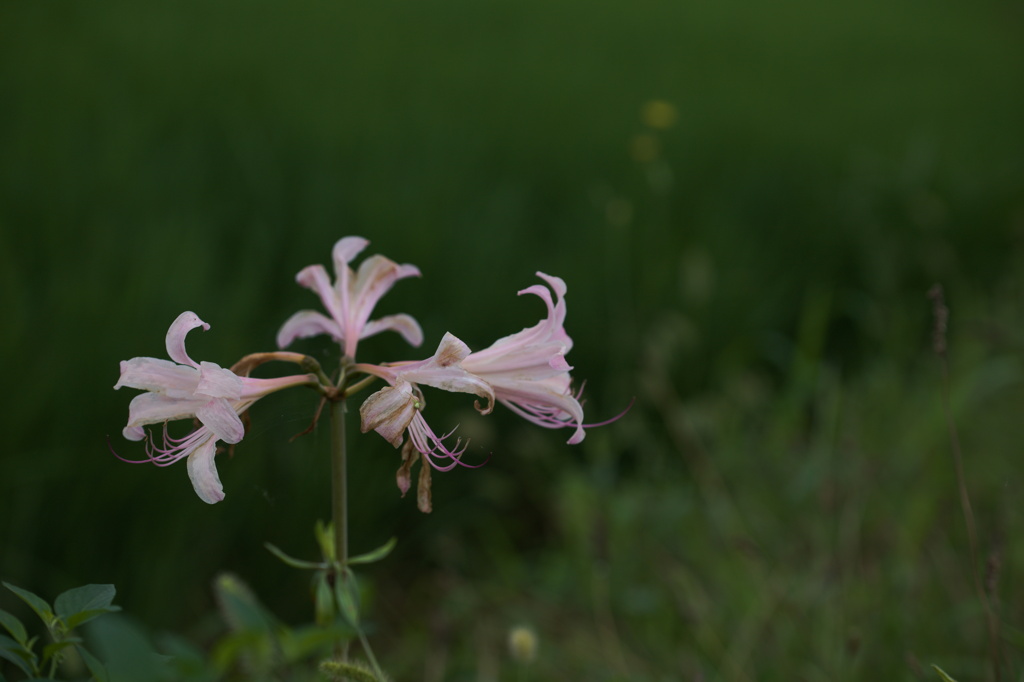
748	201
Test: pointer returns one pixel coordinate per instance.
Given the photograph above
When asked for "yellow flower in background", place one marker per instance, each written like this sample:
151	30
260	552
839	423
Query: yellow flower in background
659	114
644	148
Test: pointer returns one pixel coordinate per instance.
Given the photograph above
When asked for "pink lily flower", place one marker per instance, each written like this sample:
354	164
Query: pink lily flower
396	409
528	371
351	300
184	389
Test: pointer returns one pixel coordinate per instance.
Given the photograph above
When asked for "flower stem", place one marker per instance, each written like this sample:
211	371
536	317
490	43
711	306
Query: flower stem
339	494
339	482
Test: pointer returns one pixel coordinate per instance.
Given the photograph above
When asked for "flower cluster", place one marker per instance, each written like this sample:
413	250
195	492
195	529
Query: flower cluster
526	371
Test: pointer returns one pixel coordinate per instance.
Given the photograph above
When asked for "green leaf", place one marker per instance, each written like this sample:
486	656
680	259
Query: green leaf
292	561
346	592
13	626
85	616
37	603
305	641
324	600
84	598
18	655
942	673
375	555
54	649
98	670
239	607
126	650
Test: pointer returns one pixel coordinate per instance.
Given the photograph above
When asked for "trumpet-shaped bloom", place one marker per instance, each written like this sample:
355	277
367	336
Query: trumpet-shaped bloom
185	389
396	409
351	299
528	371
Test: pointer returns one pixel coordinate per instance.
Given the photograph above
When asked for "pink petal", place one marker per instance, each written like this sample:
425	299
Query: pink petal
175	340
203	472
154	374
388	412
220	417
556	283
559	363
346	249
306	323
217	382
153	408
254	388
133	432
577	436
404	324
442	370
377	275
315	278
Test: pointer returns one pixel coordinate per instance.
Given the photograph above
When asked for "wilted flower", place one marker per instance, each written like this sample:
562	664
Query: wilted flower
528	372
184	389
351	299
396	409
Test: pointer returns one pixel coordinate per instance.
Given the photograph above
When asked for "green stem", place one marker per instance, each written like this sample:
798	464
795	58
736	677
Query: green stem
359	385
369	654
339	494
339	483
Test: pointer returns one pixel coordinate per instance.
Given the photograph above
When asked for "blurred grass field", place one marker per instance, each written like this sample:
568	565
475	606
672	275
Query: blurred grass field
779	503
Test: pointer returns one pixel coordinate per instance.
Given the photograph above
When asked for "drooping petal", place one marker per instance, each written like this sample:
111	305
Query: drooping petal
202	471
423	495
175	340
153	408
403	477
220	417
306	323
388	412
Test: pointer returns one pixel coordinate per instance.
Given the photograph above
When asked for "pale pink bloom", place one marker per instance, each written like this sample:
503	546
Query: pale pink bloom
351	299
396	409
184	389
528	371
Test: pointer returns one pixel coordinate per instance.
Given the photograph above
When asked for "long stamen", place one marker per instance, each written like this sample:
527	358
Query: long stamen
172	451
430	445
